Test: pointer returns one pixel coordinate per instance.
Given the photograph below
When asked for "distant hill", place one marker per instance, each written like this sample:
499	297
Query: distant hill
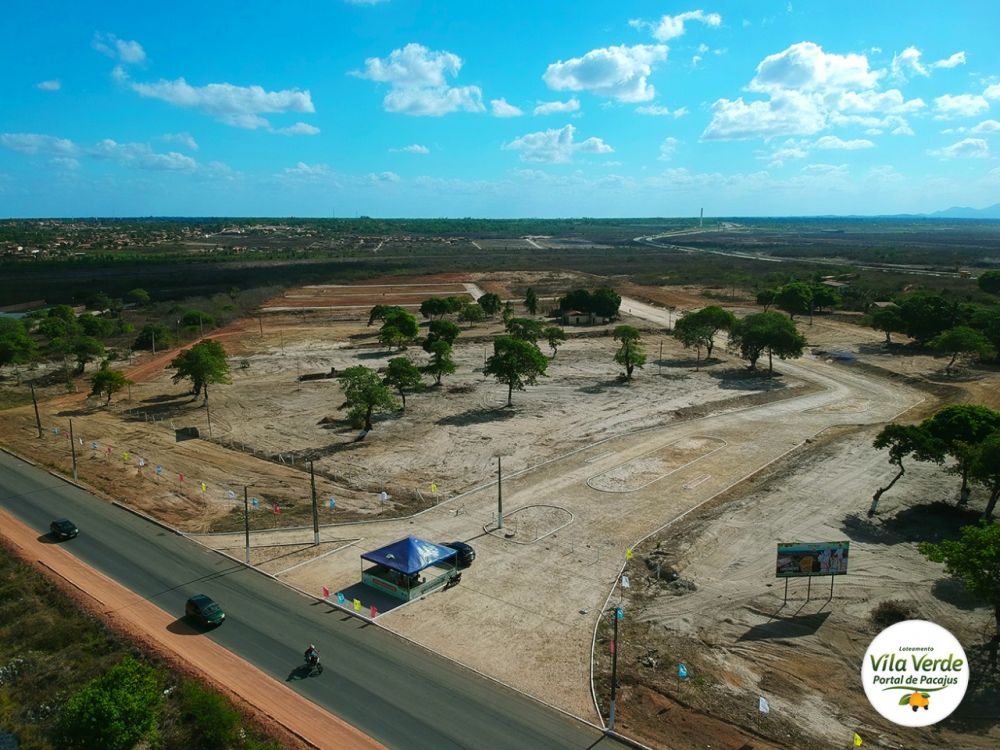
963	212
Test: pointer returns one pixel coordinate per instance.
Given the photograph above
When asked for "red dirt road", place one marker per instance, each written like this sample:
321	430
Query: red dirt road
298	722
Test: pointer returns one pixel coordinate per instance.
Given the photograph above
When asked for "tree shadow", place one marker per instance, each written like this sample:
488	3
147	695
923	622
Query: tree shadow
860	528
82	410
977	713
935	521
478	416
619	381
741	379
951	591
376	355
796	626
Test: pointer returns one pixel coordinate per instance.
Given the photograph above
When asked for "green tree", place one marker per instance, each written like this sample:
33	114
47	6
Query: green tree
86	349
138	296
526	329
435	307
962	341
769	332
196	319
887	319
974	559
441	330
925	315
441	361
515	363
402	375
904	441
203	364
114	711
823	297
766	297
984	468
16	346
555	336
989	281
108	381
693	334
578	299
795	298
400	328
98	301
630	354
508	313
154	336
531	301
365	394
95	326
379	312
213	721
472	312
961	428
713	318
605	303
491	303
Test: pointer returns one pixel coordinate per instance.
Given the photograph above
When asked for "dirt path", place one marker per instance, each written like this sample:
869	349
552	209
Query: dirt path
302	723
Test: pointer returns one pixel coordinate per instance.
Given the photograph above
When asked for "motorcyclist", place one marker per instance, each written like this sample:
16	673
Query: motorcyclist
312	655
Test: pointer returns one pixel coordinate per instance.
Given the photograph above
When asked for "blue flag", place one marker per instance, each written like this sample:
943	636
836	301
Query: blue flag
333	503
253	501
682	671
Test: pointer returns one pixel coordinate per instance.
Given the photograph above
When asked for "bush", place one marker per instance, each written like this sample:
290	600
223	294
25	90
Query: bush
890	612
214	723
113	711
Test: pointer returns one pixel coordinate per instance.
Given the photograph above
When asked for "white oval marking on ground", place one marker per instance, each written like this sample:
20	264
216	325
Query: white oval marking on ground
660	462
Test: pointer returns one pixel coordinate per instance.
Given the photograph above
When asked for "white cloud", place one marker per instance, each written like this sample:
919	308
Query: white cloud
119	74
806	67
950	107
501	108
992	92
655	110
907	61
240	106
618	72
667	148
185	139
903	129
830	142
34	143
877	101
970	148
987	126
790	113
950	62
555	146
548	108
307	170
129	52
141	156
65	162
299	128
418	80
53	85
671	27
415	148
383	177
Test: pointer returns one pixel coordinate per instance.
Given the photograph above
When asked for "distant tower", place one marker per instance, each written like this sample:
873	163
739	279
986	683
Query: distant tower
701	219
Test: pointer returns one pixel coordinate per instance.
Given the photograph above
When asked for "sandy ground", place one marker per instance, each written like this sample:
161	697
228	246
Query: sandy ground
591	466
299	722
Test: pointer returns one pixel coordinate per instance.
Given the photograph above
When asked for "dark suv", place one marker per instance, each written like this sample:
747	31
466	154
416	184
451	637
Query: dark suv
203	610
63	528
465	553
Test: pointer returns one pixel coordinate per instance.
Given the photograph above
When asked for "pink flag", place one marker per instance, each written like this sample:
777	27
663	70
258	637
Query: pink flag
181	477
374	612
326	593
277	508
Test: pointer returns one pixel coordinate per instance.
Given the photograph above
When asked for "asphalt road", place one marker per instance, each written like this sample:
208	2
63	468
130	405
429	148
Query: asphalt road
398	693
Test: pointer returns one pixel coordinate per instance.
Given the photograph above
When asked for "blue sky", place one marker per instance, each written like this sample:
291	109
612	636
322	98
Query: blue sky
552	108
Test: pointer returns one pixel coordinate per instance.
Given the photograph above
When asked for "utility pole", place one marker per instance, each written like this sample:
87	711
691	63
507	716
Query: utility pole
246	524
72	447
153	335
659	362
617	614
208	411
499	494
312	483
38	421
260	322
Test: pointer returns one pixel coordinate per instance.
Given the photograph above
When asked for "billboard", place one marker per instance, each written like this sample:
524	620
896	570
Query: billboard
797	559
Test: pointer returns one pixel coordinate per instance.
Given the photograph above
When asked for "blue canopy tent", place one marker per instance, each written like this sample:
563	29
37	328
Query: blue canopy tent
397	567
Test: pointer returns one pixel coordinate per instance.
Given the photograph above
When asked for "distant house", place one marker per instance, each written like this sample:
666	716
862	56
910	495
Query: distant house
577	318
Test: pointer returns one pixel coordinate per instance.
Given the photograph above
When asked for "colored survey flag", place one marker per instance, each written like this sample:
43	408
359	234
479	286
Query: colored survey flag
181	477
231	495
159	469
857	740
374	612
142	462
763	706
93	446
682	671
204	486
326	593
628	553
253	502
333	503
340	598
277	508
125	456
434	487
357	605
625	582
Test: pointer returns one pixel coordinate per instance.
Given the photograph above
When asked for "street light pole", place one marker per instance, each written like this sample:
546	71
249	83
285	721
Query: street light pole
312	482
38	421
499	494
72	447
246	524
616	615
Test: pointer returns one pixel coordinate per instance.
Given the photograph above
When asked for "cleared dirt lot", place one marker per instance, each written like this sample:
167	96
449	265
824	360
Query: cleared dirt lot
591	466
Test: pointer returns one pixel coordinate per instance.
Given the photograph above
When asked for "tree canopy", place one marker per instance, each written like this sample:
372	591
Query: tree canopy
531	301
108	382
441	362
490	303
402	375
989	281
700	328
555	336
925	315
795	298
887	320
515	363
974	559
400	327
154	336
16	346
769	332
962	341
365	394
960	428
203	364
984	468
441	330
526	329
904	441
765	298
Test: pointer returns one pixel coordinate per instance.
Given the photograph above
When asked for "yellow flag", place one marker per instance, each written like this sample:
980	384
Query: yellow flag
357	605
857	740
434	487
628	553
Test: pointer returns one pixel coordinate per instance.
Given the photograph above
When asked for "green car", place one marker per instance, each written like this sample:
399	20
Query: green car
203	610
